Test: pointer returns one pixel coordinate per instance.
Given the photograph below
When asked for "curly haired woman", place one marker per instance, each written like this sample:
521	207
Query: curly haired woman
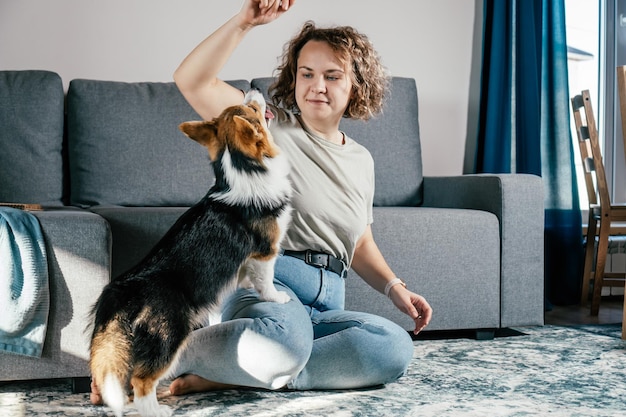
310	342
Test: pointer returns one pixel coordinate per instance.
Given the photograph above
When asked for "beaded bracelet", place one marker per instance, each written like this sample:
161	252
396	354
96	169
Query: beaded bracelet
392	283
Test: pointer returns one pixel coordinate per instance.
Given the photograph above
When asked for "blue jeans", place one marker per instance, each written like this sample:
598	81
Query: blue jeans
310	342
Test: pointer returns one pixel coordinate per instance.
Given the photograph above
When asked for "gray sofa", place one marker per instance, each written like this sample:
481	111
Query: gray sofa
112	170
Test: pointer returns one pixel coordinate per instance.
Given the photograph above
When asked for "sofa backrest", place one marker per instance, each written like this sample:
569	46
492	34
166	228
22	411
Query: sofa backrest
31	137
393	140
125	147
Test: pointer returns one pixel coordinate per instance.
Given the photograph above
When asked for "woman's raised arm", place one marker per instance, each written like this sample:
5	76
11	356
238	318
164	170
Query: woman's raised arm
197	76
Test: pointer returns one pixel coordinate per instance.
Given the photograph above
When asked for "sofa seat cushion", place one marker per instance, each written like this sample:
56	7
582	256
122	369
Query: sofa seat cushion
125	147
31	137
449	256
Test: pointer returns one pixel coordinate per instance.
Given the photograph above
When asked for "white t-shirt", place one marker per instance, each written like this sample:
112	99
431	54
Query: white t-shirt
333	188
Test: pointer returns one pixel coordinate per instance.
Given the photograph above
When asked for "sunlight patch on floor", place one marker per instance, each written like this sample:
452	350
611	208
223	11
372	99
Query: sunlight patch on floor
12	404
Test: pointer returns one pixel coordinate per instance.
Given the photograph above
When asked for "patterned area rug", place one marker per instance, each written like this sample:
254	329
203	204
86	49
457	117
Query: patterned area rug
551	370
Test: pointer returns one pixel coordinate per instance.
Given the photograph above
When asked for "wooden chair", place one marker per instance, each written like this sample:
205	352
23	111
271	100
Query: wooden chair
621	92
602	214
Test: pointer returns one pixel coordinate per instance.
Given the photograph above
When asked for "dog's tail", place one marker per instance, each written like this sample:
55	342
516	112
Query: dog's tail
110	364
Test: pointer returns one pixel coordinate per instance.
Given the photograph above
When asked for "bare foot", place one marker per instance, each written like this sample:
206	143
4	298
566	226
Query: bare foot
190	383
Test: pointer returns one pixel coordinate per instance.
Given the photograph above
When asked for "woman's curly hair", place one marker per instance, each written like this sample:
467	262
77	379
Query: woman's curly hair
369	79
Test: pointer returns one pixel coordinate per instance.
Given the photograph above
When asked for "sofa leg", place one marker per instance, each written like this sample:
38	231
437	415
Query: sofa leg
81	385
485	334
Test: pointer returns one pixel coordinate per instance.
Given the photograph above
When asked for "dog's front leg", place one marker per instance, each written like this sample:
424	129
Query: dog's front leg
261	276
243	280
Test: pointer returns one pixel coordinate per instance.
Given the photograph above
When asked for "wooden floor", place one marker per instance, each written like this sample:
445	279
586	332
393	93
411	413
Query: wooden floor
610	312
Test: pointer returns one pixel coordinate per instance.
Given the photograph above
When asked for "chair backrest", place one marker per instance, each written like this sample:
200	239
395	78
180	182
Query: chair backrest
621	92
587	132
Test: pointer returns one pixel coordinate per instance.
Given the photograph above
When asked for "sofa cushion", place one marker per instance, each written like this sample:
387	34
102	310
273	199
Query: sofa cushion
125	147
393	140
449	256
31	137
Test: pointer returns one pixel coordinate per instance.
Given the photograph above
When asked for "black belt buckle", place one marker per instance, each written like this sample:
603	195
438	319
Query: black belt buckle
308	258
320	260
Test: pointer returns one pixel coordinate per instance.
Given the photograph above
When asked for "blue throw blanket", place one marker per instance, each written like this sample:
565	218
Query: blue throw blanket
24	292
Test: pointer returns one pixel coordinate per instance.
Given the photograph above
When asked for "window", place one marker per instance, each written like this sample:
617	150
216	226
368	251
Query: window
582	20
596	38
613	54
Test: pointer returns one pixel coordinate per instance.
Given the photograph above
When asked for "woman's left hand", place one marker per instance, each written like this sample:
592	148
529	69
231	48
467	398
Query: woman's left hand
413	305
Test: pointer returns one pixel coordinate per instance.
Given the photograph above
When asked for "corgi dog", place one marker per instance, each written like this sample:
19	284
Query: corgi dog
142	317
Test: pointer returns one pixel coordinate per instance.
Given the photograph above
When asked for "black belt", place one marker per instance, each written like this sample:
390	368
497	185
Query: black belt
320	260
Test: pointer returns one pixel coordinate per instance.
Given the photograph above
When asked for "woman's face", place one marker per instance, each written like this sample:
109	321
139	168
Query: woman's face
323	85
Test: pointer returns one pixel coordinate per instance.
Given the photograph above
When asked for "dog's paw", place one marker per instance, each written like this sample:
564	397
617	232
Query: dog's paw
149	407
280	297
163	411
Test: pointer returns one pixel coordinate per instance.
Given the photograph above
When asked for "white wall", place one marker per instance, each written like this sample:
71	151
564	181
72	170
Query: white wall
144	40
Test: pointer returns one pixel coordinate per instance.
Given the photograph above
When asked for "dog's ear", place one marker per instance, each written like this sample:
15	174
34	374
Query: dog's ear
205	133
246	128
201	131
261	146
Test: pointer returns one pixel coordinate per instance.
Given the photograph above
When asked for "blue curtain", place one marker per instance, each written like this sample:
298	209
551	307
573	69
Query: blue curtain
524	124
